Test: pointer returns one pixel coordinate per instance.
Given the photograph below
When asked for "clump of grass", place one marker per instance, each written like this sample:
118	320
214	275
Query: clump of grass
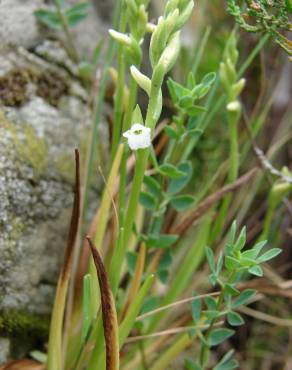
161	207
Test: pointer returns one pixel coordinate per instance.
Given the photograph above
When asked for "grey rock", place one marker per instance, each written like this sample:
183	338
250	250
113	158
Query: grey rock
18	25
37	141
44	116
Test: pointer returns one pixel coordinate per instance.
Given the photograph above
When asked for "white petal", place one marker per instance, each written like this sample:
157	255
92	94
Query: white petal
127	134
137	127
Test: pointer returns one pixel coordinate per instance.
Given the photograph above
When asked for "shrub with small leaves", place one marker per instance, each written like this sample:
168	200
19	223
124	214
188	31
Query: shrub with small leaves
232	266
268	16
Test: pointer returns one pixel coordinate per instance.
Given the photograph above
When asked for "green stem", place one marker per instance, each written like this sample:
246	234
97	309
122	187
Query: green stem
211	101
142	155
70	42
123	168
91	153
205	347
233	118
118	100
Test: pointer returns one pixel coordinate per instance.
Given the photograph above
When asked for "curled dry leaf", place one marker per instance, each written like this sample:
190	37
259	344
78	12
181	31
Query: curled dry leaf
109	314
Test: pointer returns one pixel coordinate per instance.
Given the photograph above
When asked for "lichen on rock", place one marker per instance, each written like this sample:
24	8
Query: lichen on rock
44	116
35	194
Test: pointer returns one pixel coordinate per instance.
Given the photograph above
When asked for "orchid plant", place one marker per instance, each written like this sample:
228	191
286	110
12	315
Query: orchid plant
113	309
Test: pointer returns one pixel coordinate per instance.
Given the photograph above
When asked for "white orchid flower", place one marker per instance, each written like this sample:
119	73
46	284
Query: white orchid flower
138	136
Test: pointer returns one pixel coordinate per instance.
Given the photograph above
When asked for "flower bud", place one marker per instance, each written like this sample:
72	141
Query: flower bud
143	81
238	87
161	36
233	106
120	37
170	53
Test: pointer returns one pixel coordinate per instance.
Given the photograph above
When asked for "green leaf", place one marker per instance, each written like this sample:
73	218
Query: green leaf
211	259
231	289
166	260
195	110
49	18
227	362
196	309
191	82
272	253
152	185
241	240
171	132
254	252
131	261
219	263
209	78
150	304
229	365
231	263
213	279
256	270
199	91
243	298
176	90
231	235
176	185
218	336
182	202
170	170
148	201
76	13
163	276
211	303
190	365
186	102
247	262
74	19
234	319
161	241
78	8
211	315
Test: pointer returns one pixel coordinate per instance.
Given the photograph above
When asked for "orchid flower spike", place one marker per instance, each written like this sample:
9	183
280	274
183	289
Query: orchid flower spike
138	136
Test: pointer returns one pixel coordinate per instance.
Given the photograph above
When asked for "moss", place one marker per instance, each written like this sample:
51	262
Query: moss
50	85
25	330
30	148
20	323
66	167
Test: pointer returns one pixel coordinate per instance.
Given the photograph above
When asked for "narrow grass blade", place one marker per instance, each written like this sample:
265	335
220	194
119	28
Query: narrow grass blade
103	213
109	314
86	306
134	309
55	337
102	218
166	358
188	267
136	280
